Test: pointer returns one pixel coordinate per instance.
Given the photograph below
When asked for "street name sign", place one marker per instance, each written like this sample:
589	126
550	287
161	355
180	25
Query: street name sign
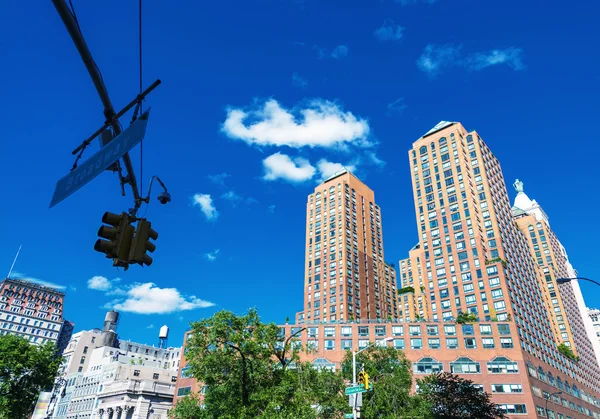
354	390
108	155
349	415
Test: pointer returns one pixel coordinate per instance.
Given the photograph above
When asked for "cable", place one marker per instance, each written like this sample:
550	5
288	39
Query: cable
74	15
141	110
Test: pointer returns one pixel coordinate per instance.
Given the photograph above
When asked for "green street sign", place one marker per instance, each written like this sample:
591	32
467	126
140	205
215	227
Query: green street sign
354	390
349	415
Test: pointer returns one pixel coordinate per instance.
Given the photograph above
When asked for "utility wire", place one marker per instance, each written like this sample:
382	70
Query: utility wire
141	111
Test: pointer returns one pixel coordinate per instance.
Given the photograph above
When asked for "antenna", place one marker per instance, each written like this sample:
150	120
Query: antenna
14	261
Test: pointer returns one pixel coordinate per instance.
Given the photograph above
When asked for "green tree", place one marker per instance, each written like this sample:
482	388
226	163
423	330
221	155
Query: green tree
188	407
25	370
390	375
250	371
453	397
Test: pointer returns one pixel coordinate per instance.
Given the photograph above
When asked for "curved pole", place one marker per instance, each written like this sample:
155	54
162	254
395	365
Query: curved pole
565	280
94	72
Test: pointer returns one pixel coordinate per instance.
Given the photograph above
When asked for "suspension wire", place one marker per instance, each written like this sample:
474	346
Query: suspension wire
141	89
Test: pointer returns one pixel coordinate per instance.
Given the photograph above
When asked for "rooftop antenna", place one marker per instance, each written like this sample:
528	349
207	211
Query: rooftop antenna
14	261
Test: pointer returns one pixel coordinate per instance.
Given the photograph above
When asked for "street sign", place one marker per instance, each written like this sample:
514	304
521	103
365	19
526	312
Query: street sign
104	158
354	390
349	415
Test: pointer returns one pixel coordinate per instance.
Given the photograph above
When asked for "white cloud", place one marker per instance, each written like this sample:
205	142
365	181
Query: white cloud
204	201
389	31
99	283
299	81
147	298
231	196
513	57
397	106
339	52
321	124
150	326
436	58
25	277
271	209
281	166
219	179
373	159
212	256
327	168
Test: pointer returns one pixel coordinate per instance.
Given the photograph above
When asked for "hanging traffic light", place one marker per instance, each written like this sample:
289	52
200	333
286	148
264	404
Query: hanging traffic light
142	244
119	234
363	380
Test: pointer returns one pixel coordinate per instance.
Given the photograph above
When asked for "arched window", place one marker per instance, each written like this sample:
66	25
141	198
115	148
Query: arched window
322	363
531	370
428	366
442	141
559	383
568	388
502	365
551	379
542	375
469	138
423	150
465	365
575	391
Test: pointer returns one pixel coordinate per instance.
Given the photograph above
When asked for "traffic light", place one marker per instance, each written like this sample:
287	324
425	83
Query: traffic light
142	244
119	233
363	380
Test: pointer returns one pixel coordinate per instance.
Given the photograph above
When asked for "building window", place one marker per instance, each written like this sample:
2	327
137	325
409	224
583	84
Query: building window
379	330
82	360
507	388
397	330
346	344
488	343
185	372
465	365
506	343
502	365
416	343
155	376
470	343
451	343
432	330
485	329
183	391
136	373
399	343
428	366
450	330
346	331
434	343
415	330
363	331
329	332
513	409
329	345
173	378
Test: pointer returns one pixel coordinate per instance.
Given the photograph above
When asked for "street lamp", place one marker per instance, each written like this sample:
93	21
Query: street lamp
565	280
548	399
354	353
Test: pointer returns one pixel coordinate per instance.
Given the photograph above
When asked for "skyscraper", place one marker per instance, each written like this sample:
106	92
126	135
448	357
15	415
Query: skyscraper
346	276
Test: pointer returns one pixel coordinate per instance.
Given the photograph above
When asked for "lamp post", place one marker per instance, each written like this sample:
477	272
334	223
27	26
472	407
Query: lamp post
565	280
548	399
354	353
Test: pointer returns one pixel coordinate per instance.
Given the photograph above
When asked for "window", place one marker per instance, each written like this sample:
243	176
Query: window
82	360
173	378
470	343
414	330
346	331
185	372
329	345
397	330
507	388
399	343
329	332
450	330
513	409
468	329
155	376
428	366
136	373
416	343
434	343
504	329
451	343
506	343
502	365
363	331
465	365
379	330
432	330
183	391
346	344
485	329
488	343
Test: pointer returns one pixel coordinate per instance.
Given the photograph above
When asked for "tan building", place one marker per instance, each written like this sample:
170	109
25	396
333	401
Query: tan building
472	299
346	276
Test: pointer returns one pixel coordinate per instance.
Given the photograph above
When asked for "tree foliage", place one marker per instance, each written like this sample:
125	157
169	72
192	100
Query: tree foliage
25	370
390	375
453	397
250	371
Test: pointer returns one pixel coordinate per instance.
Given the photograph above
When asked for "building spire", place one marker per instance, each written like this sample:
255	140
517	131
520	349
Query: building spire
518	186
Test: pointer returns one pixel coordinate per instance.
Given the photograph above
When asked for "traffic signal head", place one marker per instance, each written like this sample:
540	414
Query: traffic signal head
119	234
142	244
363	380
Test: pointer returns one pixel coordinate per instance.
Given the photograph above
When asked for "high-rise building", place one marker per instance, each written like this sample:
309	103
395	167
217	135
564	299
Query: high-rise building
594	315
32	311
473	298
346	276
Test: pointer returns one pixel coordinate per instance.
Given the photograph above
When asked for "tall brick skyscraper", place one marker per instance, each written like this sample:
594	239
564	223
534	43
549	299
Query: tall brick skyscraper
345	273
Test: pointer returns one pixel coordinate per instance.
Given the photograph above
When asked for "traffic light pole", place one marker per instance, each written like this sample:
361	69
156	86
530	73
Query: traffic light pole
109	111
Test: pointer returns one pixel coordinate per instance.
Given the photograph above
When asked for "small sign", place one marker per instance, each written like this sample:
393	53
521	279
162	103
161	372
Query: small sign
354	390
349	415
104	158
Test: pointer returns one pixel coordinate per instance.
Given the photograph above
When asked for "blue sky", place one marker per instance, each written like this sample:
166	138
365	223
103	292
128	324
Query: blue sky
260	100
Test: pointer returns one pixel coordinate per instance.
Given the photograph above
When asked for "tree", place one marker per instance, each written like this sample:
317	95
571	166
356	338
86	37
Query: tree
390	374
251	371
452	397
187	408
25	370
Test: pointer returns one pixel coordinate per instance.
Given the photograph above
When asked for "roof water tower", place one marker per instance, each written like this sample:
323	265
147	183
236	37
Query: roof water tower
163	336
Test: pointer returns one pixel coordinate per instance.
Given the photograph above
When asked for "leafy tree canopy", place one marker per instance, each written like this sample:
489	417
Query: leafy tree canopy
453	397
25	370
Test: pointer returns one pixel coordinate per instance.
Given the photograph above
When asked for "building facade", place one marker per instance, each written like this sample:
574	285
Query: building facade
473	296
32	311
346	276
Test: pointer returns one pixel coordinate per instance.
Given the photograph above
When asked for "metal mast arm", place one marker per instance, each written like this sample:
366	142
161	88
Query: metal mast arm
109	112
